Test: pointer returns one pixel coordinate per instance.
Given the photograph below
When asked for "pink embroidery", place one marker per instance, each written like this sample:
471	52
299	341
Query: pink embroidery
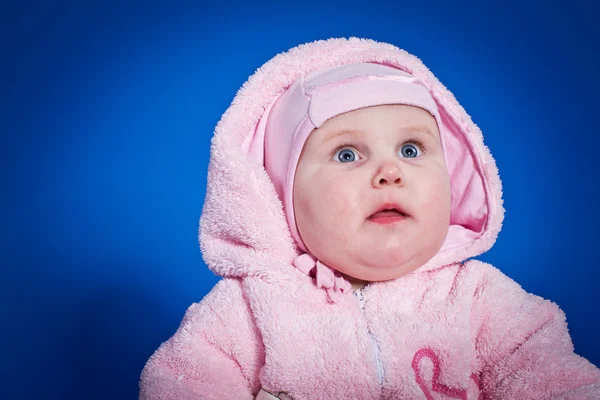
435	385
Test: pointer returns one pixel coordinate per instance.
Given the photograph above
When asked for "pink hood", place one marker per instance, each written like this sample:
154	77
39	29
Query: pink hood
243	229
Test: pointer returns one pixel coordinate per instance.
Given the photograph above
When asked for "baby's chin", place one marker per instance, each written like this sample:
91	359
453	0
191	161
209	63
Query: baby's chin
375	261
376	273
381	275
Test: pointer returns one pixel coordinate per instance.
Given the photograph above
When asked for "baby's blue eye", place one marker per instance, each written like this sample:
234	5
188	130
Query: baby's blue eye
409	150
345	155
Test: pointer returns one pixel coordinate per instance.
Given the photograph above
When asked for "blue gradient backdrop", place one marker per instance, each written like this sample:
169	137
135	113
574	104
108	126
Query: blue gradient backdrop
106	118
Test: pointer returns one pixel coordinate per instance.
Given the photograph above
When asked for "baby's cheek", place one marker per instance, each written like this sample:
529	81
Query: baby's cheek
436	200
436	197
337	201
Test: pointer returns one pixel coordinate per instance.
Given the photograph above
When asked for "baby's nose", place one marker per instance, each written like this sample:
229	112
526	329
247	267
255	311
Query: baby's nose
388	175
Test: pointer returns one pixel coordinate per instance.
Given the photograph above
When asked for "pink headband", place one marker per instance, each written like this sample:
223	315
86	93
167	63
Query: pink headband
316	97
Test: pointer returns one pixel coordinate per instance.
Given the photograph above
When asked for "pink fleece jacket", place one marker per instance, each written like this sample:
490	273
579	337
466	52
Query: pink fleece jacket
452	329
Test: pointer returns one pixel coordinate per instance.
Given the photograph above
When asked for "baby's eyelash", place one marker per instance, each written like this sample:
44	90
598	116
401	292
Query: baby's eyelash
343	146
412	140
418	142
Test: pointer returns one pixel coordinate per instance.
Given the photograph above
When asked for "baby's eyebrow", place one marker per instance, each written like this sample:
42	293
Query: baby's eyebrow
419	128
407	129
344	132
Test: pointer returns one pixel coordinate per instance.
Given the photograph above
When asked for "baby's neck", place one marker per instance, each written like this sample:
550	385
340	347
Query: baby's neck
356	283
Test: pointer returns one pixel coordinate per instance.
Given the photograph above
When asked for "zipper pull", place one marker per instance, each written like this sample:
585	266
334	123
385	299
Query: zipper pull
359	295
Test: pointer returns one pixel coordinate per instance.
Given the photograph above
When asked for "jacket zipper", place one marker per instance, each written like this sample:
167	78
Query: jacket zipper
374	342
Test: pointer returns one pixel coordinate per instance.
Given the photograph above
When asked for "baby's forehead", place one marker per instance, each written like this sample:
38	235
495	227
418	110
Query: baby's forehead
388	119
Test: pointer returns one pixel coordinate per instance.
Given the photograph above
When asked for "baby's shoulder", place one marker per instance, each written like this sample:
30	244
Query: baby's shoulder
486	273
225	298
482	272
475	278
493	285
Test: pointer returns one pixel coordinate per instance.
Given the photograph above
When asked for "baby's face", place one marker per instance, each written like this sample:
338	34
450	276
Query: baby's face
362	161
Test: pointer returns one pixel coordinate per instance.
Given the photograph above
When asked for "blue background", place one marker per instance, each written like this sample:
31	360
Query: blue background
106	118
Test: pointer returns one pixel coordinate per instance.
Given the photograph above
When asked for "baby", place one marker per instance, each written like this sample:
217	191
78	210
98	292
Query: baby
347	193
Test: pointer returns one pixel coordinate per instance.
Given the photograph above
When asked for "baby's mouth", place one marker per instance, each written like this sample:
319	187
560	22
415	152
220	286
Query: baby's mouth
388	213
388	216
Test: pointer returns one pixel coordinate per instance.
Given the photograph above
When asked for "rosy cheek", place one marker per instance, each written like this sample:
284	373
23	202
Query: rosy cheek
438	199
434	189
312	201
336	197
330	198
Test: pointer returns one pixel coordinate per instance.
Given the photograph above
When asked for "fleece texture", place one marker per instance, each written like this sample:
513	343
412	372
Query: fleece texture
455	328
